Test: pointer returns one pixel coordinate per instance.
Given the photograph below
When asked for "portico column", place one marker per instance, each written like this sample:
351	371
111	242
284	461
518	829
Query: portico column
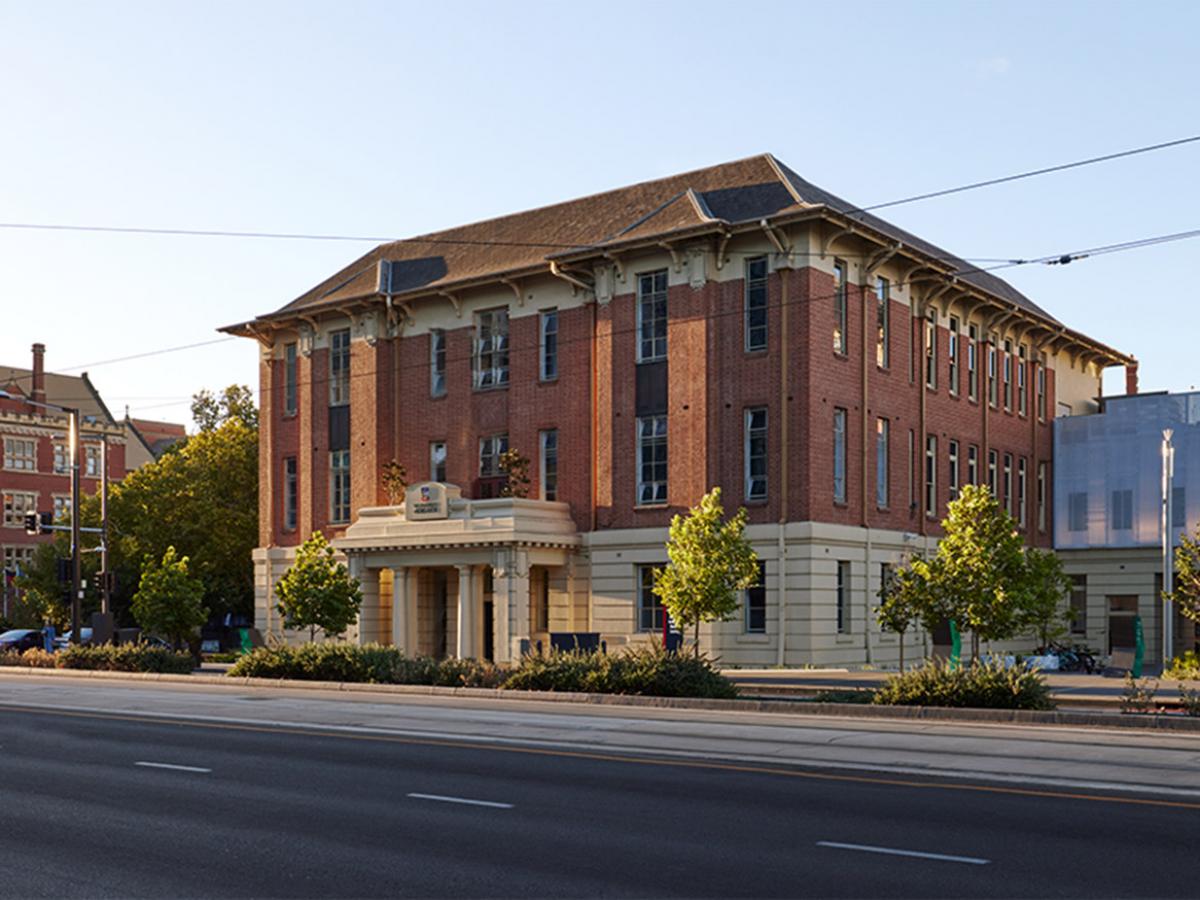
368	612
465	643
511	585
402	599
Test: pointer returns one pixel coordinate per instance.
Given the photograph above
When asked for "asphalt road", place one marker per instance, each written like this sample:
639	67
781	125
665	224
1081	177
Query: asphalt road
104	805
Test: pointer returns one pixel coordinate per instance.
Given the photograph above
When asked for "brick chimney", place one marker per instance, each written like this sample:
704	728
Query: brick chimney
39	373
1131	377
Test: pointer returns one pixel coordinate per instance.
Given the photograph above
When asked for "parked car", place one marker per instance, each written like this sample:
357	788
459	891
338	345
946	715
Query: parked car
19	640
64	639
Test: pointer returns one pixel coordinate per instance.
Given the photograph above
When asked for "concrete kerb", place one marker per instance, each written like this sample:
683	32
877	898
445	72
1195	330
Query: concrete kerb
1077	718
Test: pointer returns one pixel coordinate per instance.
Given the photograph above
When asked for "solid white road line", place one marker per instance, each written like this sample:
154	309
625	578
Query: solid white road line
154	765
890	851
442	799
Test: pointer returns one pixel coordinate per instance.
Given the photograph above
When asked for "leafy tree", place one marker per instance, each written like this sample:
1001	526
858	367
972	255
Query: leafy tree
711	563
318	591
201	498
900	606
169	601
1186	595
516	469
1046	586
235	403
395	482
44	599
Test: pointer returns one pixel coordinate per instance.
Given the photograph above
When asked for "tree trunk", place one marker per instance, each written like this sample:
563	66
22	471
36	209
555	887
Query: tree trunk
696	643
902	653
974	648
312	634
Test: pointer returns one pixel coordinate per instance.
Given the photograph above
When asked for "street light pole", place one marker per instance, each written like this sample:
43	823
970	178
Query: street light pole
106	578
76	448
1168	557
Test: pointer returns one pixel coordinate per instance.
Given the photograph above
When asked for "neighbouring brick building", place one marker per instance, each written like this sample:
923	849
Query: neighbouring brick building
733	326
35	474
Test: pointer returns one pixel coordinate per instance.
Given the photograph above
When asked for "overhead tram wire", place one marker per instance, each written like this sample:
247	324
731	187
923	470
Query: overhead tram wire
854	210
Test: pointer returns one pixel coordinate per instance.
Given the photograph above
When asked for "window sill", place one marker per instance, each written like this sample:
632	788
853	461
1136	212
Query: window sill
755	351
437	396
845	638
841	504
845	357
553	380
638	507
654	359
755	501
286	415
490	388
753	637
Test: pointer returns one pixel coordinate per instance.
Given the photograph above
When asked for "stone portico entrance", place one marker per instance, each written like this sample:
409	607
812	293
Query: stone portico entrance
447	576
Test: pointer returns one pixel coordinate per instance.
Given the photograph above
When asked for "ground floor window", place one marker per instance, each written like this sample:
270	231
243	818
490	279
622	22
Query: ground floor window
652	460
650	608
843	597
1079	604
756	603
339	486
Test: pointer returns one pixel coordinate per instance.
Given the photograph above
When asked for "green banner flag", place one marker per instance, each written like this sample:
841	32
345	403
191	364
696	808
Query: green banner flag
955	647
1139	644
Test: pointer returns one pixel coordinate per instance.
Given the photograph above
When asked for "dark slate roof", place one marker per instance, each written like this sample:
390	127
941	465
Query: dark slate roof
751	189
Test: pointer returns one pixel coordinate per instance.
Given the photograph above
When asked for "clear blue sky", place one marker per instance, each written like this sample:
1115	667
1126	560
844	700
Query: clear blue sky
377	118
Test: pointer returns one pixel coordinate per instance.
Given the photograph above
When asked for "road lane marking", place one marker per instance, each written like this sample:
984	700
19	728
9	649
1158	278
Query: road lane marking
467	743
462	800
172	766
891	851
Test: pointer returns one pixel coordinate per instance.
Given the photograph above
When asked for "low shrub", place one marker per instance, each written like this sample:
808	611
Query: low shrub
124	658
1189	700
648	671
1184	668
1138	696
372	663
37	658
990	685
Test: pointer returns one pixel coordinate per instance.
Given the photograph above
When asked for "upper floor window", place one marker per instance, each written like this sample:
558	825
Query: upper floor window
756	303
953	460
839	455
952	355
972	464
91	461
1041	393
339	486
1021	384
339	367
883	295
437	460
491	448
437	363
993	386
62	459
1179	507
291	493
756	602
651	460
1008	484
491	348
548	463
931	503
839	307
1122	510
20	454
993	462
931	350
652	316
1041	496
755	453
1077	511
1008	356
290	383
882	456
972	362
1022	484
548	343
17	504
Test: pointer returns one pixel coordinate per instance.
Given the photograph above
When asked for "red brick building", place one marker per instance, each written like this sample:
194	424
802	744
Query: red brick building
735	326
35	473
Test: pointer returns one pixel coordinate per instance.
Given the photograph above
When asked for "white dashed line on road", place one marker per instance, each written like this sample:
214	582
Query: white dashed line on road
171	766
891	851
464	800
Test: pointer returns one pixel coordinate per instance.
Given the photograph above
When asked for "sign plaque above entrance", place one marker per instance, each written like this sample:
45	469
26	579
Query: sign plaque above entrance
427	500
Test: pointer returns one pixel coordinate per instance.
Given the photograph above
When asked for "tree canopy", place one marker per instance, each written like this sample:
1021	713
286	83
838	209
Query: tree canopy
169	601
711	564
235	403
1186	593
317	591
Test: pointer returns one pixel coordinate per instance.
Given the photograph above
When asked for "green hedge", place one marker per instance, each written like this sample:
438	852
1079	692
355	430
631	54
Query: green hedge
371	663
984	685
648	671
123	658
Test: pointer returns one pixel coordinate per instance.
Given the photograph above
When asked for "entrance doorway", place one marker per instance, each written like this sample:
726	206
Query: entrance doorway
489	617
439	614
1122	610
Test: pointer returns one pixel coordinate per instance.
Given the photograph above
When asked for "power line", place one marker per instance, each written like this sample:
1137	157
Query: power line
276	235
1030	174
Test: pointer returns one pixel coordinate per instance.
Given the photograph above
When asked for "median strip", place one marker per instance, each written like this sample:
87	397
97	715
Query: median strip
439	798
892	851
173	767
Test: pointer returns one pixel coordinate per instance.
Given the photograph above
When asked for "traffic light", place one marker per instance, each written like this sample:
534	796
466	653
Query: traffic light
101	580
38	523
63	568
